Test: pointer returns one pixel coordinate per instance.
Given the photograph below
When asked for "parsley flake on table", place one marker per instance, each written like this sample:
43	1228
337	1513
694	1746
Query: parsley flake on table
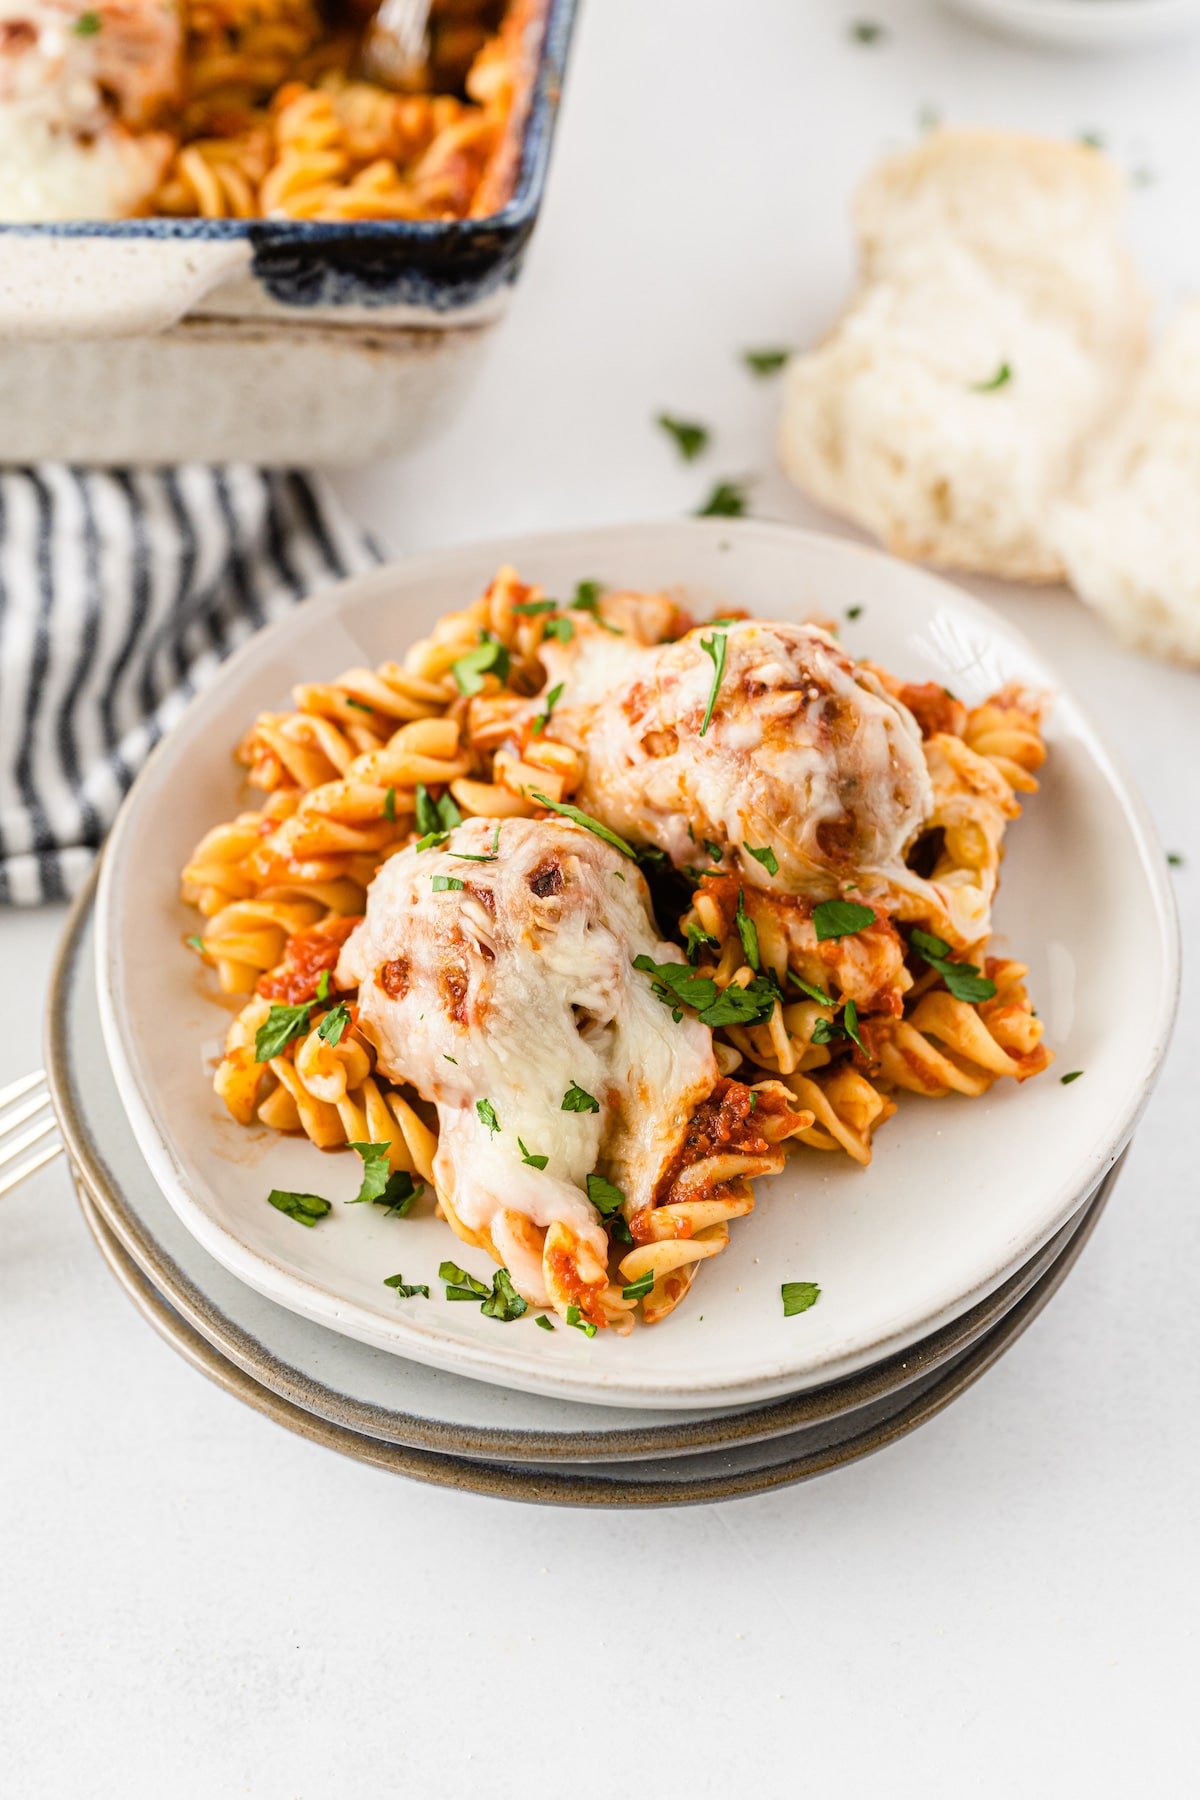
281	1026
766	856
726	501
1072	1076
585	819
765	362
963	980
576	1318
306	1209
578	1100
690	438
840	918
544	1322
488	657
714	647
459	1285
407	1290
1000	379
798	1296
504	1302
865	31
1174	860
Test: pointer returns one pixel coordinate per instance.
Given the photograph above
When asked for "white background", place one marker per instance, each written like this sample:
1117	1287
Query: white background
193	1602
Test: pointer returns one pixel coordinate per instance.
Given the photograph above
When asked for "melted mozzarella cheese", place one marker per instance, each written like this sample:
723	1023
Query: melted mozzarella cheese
511	989
806	753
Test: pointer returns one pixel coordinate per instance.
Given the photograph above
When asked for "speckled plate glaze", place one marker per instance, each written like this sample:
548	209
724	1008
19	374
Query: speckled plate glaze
364	1391
961	1193
723	1474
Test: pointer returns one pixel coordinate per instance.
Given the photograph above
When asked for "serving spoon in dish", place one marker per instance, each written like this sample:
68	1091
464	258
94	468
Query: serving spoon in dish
396	47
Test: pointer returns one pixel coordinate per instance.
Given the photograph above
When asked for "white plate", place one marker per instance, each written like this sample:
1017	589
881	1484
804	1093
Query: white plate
1085	24
960	1192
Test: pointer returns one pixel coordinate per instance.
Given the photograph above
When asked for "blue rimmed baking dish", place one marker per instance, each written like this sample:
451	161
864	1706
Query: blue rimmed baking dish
264	340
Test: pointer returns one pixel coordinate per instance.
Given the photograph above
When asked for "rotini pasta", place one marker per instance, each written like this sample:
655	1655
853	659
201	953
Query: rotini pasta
507	947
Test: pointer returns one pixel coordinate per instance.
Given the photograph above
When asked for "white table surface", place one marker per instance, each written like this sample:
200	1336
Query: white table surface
194	1602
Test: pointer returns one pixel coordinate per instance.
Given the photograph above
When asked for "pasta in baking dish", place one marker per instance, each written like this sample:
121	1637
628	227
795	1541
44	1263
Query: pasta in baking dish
257	109
582	914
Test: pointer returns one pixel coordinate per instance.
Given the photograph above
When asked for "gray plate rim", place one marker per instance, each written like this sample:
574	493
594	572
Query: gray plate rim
395	1427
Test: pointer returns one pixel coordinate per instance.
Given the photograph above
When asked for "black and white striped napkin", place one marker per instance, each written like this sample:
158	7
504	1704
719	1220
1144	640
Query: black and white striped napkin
121	591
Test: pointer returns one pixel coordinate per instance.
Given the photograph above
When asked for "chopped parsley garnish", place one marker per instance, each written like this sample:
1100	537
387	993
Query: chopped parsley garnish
747	931
334	1024
637	1290
690	438
866	31
87	24
384	1186
714	647
727	501
825	1031
606	1198
389	806
698	939
503	1302
529	609
563	629
1073	1076
850	1024
854	612
587	599
576	1318
1174	860
577	1099
444	884
306	1209
1000	379
677	985
618	1229
1091	140
361	705
766	856
196	943
963	979
840	918
460	1285
814	993
552	700
407	1290
488	657
765	362
436	819
534	1162
714	850
470	856
544	1322
446	1057
487	1113
282	1024
798	1296
323	985
585	819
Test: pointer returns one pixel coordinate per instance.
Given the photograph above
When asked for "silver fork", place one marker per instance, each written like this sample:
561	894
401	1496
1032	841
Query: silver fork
397	42
26	1102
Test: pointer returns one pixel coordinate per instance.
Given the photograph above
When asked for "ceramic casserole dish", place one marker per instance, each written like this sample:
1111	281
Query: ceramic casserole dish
274	341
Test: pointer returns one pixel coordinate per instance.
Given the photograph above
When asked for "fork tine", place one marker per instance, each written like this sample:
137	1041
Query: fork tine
22	1085
19	1114
12	1177
11	1148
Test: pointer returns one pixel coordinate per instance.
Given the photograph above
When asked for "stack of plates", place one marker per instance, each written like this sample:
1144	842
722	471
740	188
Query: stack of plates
931	1263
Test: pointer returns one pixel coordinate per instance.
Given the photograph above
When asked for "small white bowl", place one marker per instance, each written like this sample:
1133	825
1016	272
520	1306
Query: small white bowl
961	1192
1084	24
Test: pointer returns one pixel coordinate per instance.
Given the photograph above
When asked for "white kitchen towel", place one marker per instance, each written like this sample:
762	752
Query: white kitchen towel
121	591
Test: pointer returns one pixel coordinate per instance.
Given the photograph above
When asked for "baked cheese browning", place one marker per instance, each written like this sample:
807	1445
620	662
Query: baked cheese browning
756	736
522	1019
